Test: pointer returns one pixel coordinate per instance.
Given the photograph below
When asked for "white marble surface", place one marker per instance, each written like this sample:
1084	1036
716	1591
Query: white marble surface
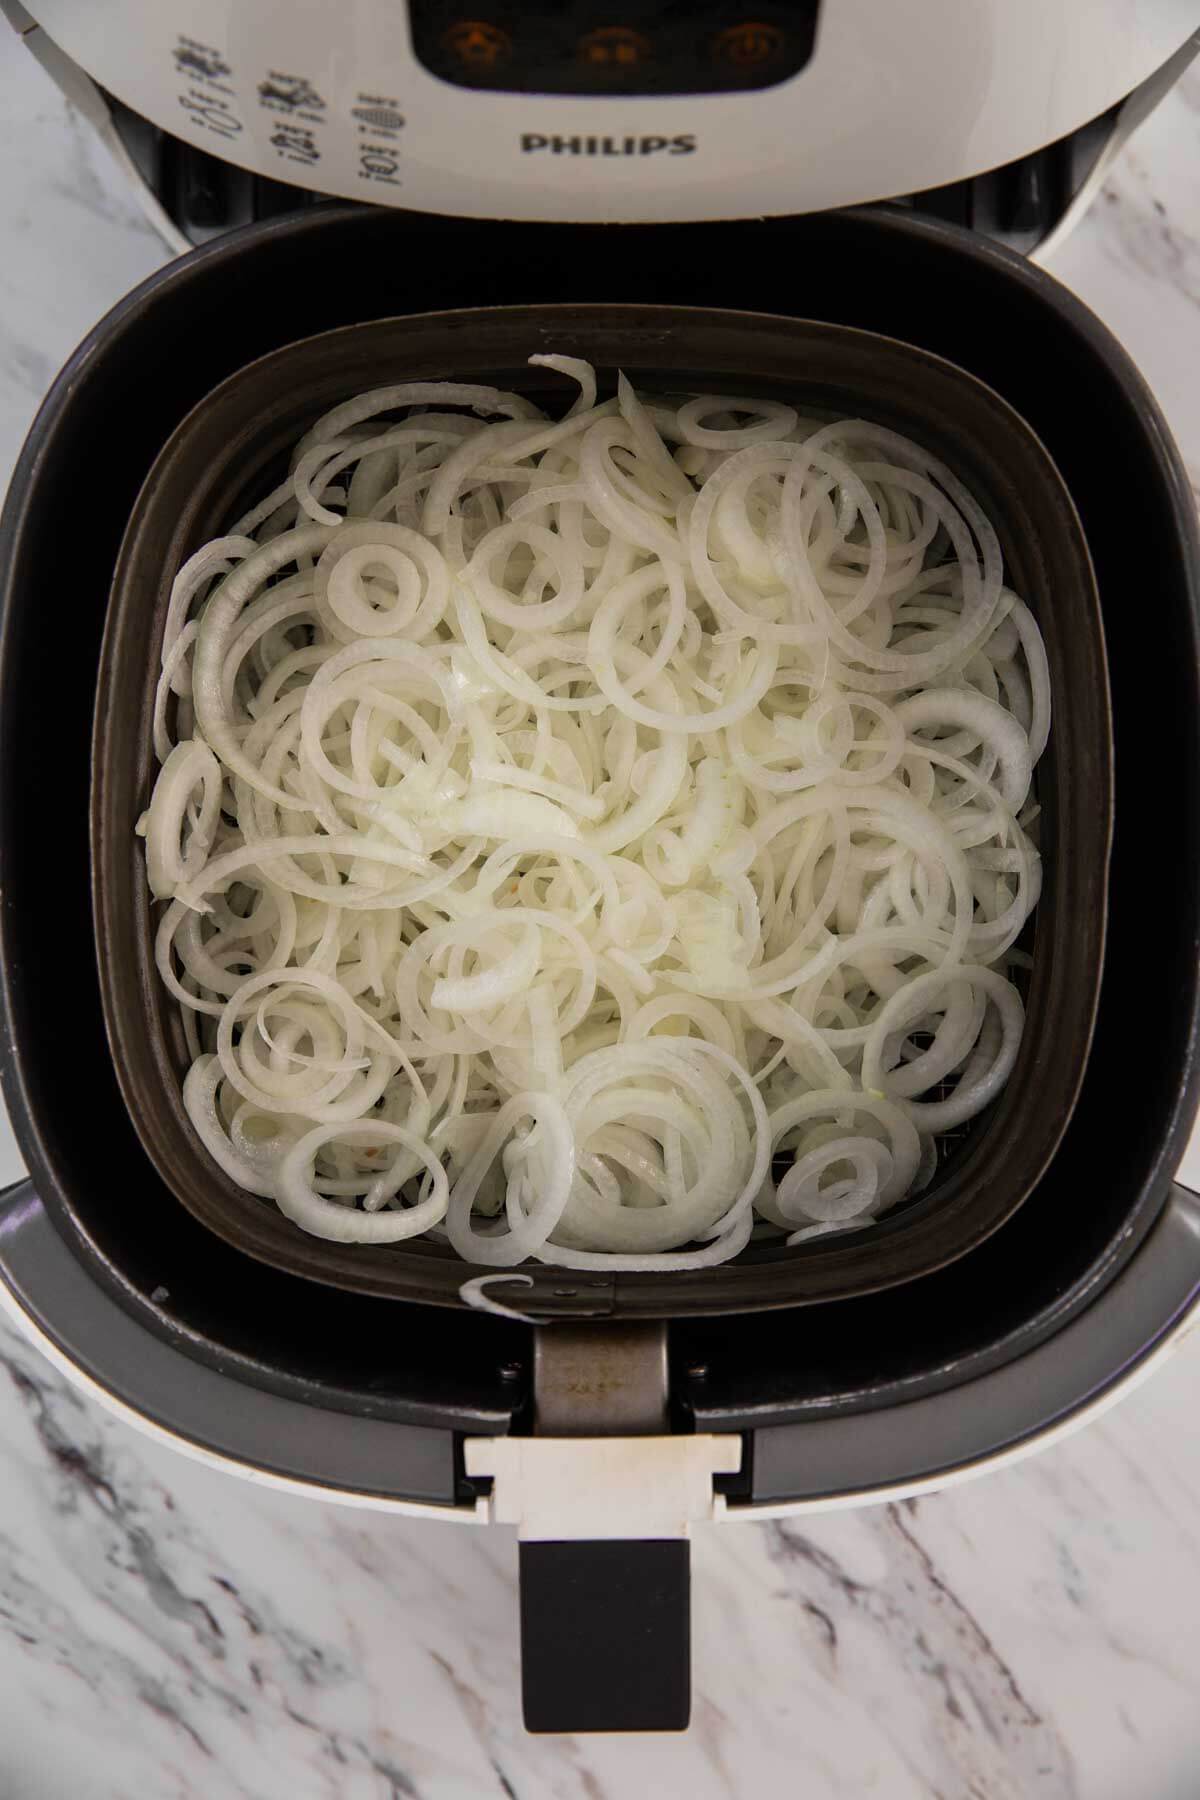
170	1633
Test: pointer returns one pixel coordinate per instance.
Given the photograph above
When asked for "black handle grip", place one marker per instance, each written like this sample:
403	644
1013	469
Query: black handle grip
606	1635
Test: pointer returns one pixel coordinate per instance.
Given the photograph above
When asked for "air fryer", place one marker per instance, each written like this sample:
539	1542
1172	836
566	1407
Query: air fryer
390	1401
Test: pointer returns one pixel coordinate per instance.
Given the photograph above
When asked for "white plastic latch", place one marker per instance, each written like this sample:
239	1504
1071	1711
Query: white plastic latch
602	1487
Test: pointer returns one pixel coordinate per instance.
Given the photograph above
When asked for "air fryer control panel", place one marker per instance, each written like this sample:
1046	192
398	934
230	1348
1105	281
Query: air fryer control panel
598	110
639	47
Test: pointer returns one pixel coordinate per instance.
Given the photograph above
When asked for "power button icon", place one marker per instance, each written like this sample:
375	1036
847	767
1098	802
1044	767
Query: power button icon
478	44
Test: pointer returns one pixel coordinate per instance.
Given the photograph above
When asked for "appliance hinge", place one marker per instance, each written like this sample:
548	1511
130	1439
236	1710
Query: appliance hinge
556	1489
603	1462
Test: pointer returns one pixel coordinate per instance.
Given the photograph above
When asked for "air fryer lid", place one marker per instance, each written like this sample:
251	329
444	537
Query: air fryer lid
227	453
128	387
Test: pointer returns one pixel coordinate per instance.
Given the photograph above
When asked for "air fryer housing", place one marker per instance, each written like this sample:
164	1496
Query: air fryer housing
935	286
384	1402
713	109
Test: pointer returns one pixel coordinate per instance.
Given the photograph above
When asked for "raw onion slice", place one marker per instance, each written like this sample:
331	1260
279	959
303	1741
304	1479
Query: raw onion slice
593	839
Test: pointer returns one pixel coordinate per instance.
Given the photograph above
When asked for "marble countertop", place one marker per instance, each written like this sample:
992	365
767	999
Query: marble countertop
169	1632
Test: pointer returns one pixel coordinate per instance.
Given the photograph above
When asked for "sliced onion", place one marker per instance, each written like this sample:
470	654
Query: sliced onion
588	839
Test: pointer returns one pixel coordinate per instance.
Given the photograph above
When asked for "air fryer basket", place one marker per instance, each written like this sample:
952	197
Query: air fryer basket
227	452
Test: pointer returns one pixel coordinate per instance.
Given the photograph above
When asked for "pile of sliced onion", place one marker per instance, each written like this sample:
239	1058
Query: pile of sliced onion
595	840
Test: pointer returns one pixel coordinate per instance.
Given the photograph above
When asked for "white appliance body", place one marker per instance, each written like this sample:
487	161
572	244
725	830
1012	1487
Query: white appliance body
441	105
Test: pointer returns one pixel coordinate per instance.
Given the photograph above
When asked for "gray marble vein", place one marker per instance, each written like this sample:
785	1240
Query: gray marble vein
166	1630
